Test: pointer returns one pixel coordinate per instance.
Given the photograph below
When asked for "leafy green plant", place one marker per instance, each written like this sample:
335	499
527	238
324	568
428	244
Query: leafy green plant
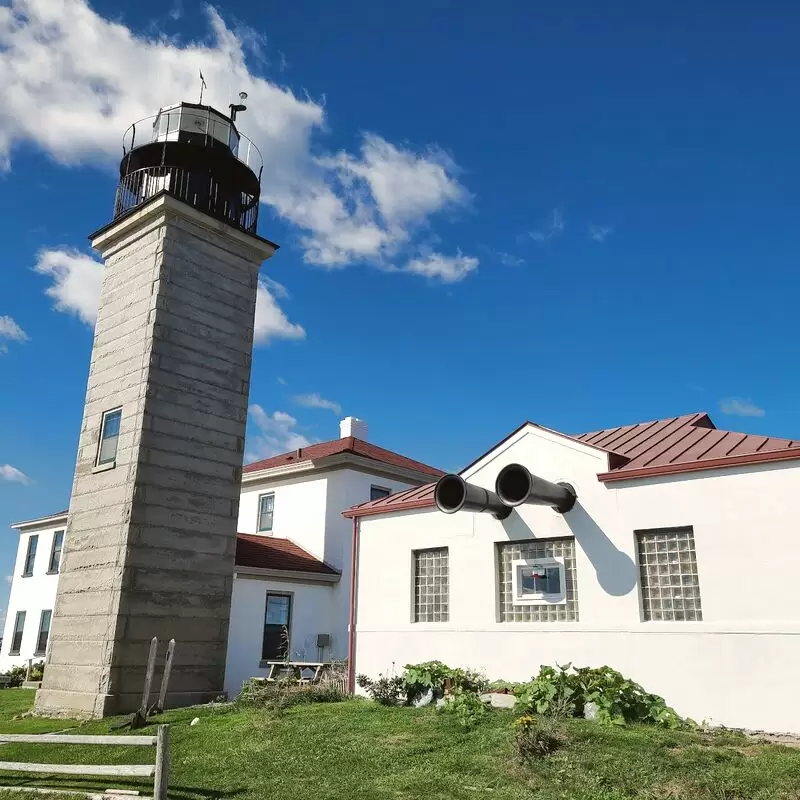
466	706
439	677
537	737
384	690
616	700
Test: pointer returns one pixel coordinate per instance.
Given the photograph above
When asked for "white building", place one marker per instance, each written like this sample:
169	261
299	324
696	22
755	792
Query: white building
677	566
292	563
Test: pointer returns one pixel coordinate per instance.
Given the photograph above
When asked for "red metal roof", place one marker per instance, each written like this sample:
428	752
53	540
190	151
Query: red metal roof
685	444
269	552
664	446
348	444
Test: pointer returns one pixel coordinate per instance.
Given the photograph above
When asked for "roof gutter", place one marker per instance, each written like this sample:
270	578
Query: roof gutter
370	512
287	574
746	459
56	519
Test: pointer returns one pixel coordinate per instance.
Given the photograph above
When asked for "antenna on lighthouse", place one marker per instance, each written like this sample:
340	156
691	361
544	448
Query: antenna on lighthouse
240	107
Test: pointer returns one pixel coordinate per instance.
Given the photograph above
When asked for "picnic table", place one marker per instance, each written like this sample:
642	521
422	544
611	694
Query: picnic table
296	669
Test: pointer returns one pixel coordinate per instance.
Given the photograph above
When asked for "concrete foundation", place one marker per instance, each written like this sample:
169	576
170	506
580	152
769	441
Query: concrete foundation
150	541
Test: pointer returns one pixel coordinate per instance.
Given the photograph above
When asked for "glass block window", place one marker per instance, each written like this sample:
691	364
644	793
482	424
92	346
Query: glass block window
545	557
668	575
431	585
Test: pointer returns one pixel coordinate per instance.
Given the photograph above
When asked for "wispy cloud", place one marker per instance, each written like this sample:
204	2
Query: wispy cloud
553	226
272	434
599	233
370	205
281	381
447	269
508	259
9	473
315	400
741	407
10	331
176	10
76	280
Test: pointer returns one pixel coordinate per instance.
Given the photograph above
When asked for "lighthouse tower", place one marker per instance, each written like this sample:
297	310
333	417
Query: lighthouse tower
151	537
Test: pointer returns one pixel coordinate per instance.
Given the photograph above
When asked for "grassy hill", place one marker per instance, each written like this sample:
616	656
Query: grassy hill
362	751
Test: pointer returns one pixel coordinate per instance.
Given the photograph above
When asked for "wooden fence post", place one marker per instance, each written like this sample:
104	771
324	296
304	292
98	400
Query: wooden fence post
162	764
148	678
162	695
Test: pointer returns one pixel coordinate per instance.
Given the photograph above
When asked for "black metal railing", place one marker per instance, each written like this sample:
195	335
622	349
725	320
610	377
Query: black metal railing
197	187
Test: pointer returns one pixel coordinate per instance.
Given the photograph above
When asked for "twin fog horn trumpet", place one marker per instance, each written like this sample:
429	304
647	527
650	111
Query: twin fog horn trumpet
514	486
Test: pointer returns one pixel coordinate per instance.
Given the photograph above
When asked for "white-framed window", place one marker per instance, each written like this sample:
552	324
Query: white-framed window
266	511
377	492
30	556
109	437
44	632
55	552
538	581
16	637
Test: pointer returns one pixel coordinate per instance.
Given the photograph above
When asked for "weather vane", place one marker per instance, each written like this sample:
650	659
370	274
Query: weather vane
202	86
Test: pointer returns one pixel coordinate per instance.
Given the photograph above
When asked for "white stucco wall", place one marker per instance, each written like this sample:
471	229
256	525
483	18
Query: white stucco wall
30	594
736	667
311	614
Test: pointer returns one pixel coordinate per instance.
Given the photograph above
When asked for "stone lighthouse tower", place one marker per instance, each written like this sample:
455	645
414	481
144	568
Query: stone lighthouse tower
151	536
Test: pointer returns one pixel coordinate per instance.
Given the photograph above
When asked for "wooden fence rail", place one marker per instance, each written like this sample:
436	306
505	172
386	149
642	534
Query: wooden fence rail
158	771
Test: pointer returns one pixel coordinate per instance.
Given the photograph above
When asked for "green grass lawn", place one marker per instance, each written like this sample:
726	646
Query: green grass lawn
361	750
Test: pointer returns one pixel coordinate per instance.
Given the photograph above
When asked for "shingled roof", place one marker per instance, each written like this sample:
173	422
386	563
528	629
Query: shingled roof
348	444
661	447
270	552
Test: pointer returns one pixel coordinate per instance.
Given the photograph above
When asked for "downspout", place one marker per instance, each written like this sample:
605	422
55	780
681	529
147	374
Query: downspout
351	637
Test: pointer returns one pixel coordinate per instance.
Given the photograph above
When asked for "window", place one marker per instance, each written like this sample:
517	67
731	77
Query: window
376	492
44	633
16	638
539	580
536	581
431	589
30	556
277	621
109	437
668	575
55	552
266	509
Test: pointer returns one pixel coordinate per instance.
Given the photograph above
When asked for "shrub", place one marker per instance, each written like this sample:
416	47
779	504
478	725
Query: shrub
386	691
466	706
565	691
434	675
537	737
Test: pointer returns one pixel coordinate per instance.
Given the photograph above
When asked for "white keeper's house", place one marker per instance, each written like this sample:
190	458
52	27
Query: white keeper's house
293	556
668	550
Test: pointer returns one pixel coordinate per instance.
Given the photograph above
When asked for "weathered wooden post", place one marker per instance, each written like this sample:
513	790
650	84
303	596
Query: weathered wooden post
162	695
162	764
148	678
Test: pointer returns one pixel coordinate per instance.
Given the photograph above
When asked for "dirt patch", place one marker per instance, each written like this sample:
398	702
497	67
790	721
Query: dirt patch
398	738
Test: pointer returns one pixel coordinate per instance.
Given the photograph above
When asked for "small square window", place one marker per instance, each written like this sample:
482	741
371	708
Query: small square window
539	581
109	437
30	556
266	510
377	492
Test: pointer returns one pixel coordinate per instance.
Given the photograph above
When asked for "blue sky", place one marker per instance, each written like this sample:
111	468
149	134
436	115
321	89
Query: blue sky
581	214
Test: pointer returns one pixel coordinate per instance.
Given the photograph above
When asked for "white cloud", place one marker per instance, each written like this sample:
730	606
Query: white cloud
552	227
315	400
9	473
508	259
281	381
599	233
77	279
272	434
74	81
176	10
741	407
448	269
271	321
9	329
